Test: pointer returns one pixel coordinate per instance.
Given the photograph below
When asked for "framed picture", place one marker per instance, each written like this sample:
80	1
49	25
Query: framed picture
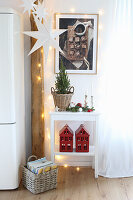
79	43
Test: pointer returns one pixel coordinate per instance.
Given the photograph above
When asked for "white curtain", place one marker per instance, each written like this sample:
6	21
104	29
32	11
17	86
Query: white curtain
116	124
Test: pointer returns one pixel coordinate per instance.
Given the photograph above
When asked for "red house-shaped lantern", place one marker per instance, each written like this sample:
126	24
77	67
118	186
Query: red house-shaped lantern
82	139
66	139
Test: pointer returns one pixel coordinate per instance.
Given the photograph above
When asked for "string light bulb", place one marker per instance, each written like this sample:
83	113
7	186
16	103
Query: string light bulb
42	115
101	12
65	165
100	27
72	10
38	78
77	169
50	48
39	65
49	136
42	50
58	157
50	97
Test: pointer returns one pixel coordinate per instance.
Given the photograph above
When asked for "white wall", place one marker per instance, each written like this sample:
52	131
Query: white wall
81	83
15	4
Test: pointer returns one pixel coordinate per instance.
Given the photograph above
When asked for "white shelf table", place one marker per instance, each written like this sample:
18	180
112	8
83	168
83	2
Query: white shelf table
75	116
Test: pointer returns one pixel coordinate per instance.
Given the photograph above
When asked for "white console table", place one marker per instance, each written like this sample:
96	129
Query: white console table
78	116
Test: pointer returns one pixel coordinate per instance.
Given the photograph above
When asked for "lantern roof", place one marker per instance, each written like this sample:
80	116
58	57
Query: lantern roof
80	128
66	127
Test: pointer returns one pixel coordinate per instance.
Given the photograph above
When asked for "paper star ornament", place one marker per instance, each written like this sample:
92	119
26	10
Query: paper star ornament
28	5
45	37
40	11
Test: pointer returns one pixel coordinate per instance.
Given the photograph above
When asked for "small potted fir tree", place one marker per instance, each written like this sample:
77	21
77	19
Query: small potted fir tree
63	92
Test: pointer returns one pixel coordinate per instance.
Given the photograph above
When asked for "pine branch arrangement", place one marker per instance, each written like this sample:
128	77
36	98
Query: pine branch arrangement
62	84
77	108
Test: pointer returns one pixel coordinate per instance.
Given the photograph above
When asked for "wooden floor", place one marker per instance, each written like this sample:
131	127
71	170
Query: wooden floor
82	185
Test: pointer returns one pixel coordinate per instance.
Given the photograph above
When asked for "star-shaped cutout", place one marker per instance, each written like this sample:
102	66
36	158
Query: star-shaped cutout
28	5
45	37
40	11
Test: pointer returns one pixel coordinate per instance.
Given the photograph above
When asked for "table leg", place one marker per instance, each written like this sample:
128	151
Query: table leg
96	150
52	140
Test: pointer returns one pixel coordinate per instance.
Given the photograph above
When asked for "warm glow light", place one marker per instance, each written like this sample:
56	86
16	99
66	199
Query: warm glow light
39	65
65	165
42	50
50	97
58	157
42	115
38	78
101	12
78	169
49	136
50	48
100	27
72	10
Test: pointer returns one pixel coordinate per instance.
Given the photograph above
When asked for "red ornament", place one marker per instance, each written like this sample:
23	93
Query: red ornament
82	139
79	104
90	110
66	139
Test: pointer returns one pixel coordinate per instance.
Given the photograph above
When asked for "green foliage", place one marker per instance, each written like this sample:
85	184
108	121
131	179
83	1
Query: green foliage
76	109
62	84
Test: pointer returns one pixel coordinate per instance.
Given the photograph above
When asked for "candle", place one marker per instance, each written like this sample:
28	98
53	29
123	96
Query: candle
91	101
86	93
86	99
91	89
92	94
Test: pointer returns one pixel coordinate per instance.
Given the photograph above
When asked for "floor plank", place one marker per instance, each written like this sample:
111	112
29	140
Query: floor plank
74	185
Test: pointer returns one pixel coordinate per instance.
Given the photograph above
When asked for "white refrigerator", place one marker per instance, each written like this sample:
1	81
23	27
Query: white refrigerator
12	115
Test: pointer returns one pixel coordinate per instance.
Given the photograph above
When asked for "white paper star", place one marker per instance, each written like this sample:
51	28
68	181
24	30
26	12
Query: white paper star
40	11
45	37
28	5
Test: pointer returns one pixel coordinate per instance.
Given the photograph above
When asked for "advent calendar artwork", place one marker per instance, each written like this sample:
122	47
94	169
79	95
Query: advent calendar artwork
78	43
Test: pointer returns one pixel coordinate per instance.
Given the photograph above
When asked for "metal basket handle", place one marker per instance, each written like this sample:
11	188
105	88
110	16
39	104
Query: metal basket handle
52	90
71	88
30	157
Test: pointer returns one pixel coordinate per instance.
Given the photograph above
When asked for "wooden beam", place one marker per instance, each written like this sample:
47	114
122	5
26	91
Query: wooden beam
37	82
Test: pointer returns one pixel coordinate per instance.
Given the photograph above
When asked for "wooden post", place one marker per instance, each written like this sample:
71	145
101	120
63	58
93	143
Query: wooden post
37	79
